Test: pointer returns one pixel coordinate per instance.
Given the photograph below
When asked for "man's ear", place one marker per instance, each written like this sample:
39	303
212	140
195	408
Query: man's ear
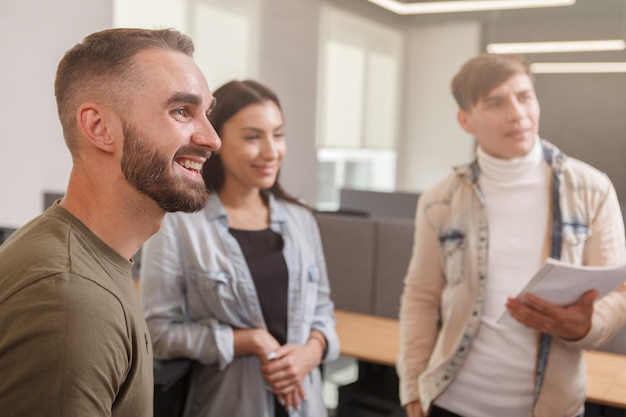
93	121
463	117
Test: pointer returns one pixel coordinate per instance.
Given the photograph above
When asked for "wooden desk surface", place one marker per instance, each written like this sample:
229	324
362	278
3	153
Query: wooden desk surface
606	378
370	338
376	339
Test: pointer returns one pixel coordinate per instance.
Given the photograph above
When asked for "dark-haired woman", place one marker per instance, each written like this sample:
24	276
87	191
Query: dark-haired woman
241	286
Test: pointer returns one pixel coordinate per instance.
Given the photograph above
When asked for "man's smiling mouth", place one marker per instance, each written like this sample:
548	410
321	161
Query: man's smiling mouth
189	164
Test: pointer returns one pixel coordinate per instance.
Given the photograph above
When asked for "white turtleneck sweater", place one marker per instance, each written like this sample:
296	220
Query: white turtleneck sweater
497	378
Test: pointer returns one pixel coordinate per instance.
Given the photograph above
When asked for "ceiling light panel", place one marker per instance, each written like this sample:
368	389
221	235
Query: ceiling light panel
552	47
466	6
577	67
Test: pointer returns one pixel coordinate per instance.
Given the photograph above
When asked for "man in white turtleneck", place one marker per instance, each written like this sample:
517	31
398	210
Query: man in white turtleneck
481	233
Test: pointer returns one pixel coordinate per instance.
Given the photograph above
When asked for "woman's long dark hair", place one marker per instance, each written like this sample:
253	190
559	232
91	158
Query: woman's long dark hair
230	98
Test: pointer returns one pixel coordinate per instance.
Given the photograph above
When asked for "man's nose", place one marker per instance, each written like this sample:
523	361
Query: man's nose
517	110
205	135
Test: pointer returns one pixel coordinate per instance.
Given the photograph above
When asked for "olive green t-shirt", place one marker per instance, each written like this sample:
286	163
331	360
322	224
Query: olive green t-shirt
73	340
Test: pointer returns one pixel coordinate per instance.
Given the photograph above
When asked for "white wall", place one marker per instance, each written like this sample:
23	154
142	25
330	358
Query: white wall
288	64
225	33
34	35
433	141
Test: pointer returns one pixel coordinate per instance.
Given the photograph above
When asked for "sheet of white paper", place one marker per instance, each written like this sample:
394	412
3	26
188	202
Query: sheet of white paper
563	284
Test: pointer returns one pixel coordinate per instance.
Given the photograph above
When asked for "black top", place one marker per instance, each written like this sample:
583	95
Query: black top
262	250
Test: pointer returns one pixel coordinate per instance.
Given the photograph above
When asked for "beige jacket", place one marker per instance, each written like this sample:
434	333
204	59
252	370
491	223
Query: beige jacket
445	283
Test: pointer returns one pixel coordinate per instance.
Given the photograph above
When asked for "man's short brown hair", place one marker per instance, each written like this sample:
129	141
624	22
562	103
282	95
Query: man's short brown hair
102	68
481	74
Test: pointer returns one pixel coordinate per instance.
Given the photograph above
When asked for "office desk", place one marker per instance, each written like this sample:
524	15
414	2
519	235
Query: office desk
376	339
368	338
606	378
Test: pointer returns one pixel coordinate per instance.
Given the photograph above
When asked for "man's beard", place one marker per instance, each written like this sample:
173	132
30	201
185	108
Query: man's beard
148	170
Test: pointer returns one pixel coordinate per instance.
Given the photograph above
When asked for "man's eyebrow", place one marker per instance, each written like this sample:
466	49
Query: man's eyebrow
493	97
500	96
184	98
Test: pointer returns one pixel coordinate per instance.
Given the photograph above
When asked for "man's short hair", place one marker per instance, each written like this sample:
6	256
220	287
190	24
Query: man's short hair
102	68
481	74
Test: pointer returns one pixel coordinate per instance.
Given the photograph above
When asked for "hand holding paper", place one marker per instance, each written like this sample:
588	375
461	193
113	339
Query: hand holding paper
571	322
559	298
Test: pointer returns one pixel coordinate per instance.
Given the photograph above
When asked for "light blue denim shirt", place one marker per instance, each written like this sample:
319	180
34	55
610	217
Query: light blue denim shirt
196	287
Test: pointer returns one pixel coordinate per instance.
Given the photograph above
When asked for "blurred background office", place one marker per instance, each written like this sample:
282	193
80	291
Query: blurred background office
365	89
